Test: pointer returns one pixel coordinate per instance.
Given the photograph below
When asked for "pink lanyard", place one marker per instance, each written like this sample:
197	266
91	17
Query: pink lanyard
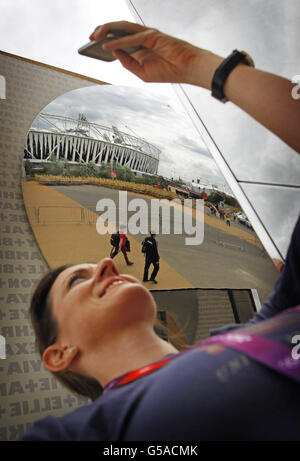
268	352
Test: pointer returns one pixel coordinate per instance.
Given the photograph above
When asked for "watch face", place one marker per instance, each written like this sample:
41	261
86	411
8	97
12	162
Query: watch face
248	59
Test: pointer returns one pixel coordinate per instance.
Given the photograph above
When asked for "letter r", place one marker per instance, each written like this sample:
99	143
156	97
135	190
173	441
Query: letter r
2	347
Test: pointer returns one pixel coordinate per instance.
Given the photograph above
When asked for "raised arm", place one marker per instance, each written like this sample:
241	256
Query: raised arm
264	96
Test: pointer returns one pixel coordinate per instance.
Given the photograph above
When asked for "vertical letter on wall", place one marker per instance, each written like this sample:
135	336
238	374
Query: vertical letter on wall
2	87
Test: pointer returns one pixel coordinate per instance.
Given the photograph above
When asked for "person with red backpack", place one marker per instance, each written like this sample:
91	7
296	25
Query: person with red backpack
120	242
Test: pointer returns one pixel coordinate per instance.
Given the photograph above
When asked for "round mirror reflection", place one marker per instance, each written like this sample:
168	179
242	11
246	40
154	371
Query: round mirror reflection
108	158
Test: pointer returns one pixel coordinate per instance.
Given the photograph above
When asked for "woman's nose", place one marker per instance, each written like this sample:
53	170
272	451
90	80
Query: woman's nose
105	268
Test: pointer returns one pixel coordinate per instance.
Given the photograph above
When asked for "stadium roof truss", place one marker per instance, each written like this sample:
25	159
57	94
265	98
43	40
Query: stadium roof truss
80	141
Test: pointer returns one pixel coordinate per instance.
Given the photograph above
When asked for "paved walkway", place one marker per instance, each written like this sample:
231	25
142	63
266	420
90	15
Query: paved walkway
229	257
63	243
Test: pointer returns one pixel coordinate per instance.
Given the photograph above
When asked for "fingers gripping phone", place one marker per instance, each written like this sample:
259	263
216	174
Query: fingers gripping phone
94	49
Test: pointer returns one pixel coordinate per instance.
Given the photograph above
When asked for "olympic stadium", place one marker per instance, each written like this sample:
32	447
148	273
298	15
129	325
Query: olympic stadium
80	141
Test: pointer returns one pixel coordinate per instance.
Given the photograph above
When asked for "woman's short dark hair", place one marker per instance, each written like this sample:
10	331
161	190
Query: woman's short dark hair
46	330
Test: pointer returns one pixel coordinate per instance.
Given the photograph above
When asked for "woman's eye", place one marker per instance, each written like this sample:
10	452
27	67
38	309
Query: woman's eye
73	280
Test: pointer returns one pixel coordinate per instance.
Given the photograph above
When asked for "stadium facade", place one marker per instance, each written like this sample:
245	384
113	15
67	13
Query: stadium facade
80	141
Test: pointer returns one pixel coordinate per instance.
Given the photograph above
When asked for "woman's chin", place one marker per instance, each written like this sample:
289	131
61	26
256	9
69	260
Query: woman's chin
134	295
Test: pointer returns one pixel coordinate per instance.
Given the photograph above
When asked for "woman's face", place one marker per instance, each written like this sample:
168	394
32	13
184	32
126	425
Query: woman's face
93	303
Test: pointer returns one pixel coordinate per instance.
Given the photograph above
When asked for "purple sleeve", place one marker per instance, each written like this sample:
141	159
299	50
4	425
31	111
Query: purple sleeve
286	292
45	429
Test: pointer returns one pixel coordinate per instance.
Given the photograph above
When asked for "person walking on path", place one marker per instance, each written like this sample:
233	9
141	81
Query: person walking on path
114	241
123	245
151	257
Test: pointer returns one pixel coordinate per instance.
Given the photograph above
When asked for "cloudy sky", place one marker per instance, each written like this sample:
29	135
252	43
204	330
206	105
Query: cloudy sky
52	32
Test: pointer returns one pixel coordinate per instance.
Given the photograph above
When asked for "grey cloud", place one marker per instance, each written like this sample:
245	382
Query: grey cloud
193	145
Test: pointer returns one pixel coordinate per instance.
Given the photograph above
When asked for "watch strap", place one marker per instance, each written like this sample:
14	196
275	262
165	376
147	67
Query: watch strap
225	68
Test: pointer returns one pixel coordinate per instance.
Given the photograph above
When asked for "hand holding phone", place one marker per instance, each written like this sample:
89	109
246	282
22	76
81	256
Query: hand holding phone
94	49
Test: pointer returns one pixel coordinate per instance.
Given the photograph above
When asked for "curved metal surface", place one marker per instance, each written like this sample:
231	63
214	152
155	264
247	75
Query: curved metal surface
244	150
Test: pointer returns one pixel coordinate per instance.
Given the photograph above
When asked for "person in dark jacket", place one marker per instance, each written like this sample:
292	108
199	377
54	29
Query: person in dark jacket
151	257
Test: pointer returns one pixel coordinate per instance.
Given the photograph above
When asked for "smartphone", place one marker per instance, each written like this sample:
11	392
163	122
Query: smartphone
94	49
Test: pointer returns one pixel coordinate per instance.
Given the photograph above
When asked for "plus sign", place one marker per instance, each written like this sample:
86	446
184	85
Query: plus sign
2	283
2	412
20	268
19	242
69	400
82	400
31	385
2	315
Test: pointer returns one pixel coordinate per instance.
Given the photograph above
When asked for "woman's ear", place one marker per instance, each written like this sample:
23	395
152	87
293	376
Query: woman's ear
58	358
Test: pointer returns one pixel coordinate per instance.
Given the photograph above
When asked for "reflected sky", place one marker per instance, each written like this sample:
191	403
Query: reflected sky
279	209
268	30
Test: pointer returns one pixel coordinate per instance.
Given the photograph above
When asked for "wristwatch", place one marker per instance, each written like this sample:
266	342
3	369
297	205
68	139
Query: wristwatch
224	69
